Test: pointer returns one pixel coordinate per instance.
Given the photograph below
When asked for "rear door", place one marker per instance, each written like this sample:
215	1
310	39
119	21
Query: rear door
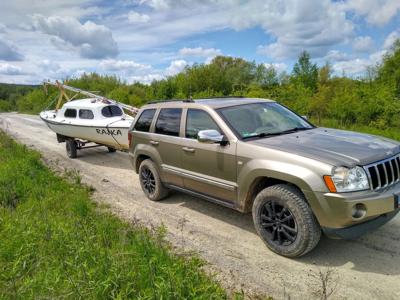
168	143
210	169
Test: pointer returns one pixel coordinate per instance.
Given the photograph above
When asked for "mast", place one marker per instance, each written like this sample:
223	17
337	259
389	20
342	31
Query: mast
63	87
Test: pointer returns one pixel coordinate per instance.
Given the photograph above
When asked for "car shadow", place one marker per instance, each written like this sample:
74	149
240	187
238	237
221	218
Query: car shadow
376	252
213	210
101	157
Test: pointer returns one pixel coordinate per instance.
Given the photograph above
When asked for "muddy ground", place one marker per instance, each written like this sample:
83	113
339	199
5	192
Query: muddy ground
366	268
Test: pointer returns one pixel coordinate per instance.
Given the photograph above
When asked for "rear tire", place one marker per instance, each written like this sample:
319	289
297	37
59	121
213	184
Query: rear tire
150	181
285	221
111	150
71	147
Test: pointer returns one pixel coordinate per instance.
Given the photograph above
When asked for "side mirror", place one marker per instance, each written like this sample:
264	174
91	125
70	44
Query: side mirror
305	117
211	136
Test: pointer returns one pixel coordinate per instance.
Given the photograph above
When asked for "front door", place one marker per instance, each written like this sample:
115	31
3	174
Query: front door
209	169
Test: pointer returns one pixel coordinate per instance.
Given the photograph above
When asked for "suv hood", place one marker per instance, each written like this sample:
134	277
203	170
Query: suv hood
332	146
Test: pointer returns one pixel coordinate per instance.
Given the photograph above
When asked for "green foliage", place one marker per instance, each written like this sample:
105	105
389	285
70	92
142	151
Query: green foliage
55	243
10	93
5	106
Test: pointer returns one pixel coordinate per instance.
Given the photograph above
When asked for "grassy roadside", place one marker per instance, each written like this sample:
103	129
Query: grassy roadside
56	243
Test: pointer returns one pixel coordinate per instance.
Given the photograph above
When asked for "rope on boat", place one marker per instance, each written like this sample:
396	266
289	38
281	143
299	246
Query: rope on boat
111	131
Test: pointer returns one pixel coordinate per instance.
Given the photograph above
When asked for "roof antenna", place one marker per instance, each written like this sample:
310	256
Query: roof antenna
190	92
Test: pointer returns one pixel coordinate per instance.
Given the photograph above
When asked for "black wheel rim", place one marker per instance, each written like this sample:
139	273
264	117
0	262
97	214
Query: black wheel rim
278	224
148	180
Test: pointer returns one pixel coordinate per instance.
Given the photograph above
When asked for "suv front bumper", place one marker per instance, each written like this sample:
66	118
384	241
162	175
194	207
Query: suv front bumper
336	211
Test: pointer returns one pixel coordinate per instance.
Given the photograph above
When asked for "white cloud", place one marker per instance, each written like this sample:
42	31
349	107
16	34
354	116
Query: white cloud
48	65
337	56
146	79
352	67
175	67
91	40
363	44
377	12
390	39
7	69
9	52
309	25
279	67
135	17
123	65
358	66
200	52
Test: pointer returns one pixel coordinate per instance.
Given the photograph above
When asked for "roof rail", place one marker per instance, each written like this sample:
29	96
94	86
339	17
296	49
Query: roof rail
190	100
170	100
221	97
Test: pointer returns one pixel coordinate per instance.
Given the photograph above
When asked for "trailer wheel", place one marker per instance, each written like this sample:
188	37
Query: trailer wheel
111	150
71	147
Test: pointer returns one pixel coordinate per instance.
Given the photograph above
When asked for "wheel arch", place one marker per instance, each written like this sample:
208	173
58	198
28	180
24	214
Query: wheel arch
138	161
258	184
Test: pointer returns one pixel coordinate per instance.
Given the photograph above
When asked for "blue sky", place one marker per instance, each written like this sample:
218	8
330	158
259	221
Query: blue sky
143	40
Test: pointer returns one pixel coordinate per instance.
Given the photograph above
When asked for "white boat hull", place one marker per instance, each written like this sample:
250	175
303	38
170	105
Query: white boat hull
112	133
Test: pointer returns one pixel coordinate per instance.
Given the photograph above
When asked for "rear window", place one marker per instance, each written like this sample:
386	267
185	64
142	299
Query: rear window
70	113
111	111
86	114
169	121
144	121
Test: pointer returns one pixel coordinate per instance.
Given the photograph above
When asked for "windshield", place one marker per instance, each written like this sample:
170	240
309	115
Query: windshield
262	119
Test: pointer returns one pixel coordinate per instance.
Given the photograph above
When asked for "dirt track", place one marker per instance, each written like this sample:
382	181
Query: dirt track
366	268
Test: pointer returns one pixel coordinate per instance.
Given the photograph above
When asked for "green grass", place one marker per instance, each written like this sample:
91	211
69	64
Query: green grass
56	243
390	132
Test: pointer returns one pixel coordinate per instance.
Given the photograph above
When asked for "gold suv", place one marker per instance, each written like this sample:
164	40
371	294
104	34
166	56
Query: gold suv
257	155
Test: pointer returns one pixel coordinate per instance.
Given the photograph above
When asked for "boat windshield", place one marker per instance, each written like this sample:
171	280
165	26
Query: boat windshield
111	111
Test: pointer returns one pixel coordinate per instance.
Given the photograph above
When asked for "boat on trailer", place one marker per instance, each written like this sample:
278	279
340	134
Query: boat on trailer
91	122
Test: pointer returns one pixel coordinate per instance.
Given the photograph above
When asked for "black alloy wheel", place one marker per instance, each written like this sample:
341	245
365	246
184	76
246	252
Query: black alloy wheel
148	180
278	223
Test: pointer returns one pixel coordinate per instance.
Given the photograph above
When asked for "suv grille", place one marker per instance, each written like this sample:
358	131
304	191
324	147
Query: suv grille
384	173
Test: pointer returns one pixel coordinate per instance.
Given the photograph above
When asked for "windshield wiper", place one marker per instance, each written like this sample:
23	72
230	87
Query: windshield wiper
267	134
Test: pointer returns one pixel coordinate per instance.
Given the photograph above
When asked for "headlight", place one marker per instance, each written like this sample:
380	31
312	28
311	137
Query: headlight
348	180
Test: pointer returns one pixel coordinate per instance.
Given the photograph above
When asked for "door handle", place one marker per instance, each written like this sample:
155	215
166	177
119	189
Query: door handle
187	149
155	143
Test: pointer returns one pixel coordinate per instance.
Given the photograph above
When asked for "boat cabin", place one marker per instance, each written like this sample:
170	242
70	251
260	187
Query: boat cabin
90	109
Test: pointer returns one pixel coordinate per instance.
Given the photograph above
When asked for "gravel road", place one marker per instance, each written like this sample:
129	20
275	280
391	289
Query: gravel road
366	268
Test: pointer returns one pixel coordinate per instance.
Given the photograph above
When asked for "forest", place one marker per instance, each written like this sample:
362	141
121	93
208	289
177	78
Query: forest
370	103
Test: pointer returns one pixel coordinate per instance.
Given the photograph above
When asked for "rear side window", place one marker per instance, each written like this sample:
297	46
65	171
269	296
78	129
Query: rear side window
144	121
111	111
70	113
86	114
169	121
197	120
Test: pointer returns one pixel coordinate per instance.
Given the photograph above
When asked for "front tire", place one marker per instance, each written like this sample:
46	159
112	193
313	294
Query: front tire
150	181
71	147
285	221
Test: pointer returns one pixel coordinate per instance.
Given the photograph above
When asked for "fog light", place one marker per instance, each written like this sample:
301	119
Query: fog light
358	211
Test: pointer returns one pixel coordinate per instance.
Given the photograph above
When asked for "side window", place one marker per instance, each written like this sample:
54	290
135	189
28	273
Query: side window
111	111
169	121
197	120
86	114
70	113
144	121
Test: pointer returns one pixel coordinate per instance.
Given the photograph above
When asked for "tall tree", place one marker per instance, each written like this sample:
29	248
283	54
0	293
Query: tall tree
305	72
